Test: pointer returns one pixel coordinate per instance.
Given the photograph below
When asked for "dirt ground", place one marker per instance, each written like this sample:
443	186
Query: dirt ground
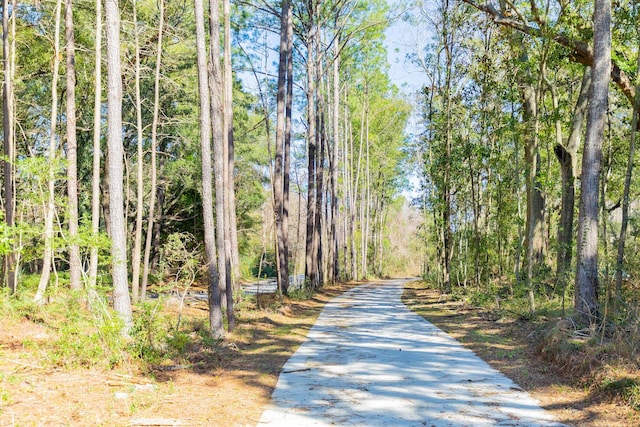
225	387
230	385
510	346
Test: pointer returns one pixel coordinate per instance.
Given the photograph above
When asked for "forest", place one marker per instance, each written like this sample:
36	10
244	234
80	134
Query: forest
528	153
130	153
155	146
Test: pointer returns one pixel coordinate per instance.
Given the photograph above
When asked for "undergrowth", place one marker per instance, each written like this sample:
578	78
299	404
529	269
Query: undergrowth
80	337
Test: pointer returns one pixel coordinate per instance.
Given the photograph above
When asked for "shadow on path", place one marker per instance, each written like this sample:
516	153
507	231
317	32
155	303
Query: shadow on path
370	361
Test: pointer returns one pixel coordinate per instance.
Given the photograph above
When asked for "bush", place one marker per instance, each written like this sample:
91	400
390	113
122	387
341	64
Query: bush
86	343
85	338
149	333
265	265
17	306
626	388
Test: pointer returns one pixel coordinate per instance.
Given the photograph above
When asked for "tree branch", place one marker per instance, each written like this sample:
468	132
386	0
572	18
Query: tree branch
580	50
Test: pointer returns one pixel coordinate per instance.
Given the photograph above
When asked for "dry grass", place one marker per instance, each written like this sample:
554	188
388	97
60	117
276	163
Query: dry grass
226	383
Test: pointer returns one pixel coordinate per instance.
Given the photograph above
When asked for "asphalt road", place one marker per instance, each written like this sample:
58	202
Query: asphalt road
370	361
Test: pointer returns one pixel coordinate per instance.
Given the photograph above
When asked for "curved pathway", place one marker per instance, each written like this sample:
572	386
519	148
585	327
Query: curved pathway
370	361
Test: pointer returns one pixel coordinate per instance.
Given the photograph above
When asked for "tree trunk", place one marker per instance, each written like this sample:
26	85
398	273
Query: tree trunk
366	201
586	294
356	184
319	178
321	133
605	175
347	172
217	126
115	150
159	219
534	238
334	263
215	312
49	207
278	175
567	156
447	239
154	149
627	186
517	172
75	263
97	123
353	196
310	258
7	122
475	208
286	173
230	199
137	246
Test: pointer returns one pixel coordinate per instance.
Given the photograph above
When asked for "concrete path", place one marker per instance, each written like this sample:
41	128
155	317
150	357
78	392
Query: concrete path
370	361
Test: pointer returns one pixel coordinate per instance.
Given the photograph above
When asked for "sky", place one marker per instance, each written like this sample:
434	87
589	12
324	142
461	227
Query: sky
401	43
403	39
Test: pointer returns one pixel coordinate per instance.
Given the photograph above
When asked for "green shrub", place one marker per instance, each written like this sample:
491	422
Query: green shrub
300	294
17	306
28	283
149	333
85	338
178	342
626	388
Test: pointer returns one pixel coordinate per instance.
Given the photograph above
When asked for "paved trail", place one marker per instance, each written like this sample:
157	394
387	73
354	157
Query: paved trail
370	361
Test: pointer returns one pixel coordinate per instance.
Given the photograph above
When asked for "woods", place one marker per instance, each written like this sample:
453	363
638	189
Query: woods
529	83
178	145
159	152
271	139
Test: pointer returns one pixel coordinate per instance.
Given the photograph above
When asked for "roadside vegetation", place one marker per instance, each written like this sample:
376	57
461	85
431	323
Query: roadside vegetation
529	183
169	369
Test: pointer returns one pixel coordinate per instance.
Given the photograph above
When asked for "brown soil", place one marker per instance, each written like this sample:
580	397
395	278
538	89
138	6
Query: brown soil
226	386
511	346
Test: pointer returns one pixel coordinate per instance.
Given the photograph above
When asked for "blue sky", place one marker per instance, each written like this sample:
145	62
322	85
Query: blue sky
402	39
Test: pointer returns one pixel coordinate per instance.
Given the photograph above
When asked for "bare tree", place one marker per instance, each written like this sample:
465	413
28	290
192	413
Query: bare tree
311	246
97	120
230	198
278	174
216	90
137	246
627	183
286	172
7	122
334	270
49	208
154	149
